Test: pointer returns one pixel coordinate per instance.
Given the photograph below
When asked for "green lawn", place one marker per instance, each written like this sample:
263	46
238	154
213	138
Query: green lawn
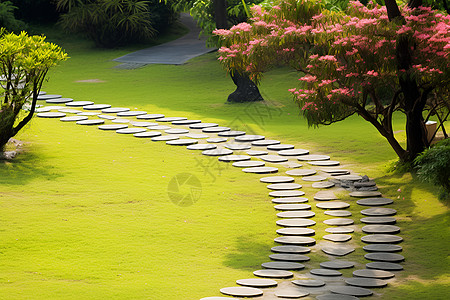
85	214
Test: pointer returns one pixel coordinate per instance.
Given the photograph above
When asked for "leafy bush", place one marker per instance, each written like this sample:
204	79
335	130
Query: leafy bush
433	166
7	19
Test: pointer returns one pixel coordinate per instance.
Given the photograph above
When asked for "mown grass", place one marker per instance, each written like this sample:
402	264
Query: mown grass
85	214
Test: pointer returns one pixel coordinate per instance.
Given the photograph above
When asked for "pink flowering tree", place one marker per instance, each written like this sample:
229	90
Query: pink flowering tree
370	60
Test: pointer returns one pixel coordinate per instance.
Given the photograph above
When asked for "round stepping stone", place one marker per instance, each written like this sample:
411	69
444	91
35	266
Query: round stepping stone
378	274
309	282
333	205
289	257
91	122
237	146
293	152
143	124
378	211
336	172
228	158
337	250
375	201
171	119
284	186
295	240
264	143
241	291
382	248
277	179
186	122
379	220
73	118
313	157
261	170
363	194
112	126
325	272
381	229
159	127
313	178
150	116
176	131
291	249
270	273
79	103
51	115
215	129
59	100
290	292
96	106
301	172
165	138
296	222
385	257
107	117
296	231
46	97
131	113
121	121
131	130
381	239
147	134
256	152
215	298
280	147
217	152
339	230
203	125
182	142
325	196
386	266
283	265
324	163
366	282
114	110
89	113
70	111
249	138
338	213
273	158
338	222
286	193
349	177
248	164
216	140
292	165
338	238
196	136
201	147
289	200
351	290
292	206
296	214
322	185
337	264
256	282
336	297
231	133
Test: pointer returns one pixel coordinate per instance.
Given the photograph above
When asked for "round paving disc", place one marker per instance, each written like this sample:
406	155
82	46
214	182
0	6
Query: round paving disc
231	133
257	282
261	170
313	178
379	220
114	110
283	265
215	298
256	152
291	165
91	122
301	172
322	185
324	163
293	152
273	158
182	142
201	147
264	143
59	100
176	131
248	164
46	97
241	291
296	231
349	177
339	238
298	222
366	282
165	138
313	157
289	257
351	290
112	126
382	248
215	129
291	193
51	115
386	266
336	297
131	113
296	214
291	249
338	213
79	103
106	117
336	172
339	229
196	136
217	140
309	282
337	250
289	200
73	118
131	130
325	272
379	211
295	240
186	122
147	134
325	196
338	222
381	229
337	264
284	186
249	138
217	152
280	147
143	124
268	273
333	205
381	239
171	119
375	201
290	292
378	274
237	146
292	206
70	111
203	125
277	179
89	113
228	158
159	127
96	106
150	116
121	121
363	194
385	257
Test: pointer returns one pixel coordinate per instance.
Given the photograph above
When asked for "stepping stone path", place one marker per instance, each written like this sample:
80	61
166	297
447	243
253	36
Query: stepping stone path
297	232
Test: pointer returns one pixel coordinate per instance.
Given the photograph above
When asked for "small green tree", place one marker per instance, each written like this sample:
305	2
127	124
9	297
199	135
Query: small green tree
24	63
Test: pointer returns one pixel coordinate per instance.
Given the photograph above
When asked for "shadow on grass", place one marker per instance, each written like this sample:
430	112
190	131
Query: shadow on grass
249	254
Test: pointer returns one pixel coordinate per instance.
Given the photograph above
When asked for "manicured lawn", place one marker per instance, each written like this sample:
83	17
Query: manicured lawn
85	214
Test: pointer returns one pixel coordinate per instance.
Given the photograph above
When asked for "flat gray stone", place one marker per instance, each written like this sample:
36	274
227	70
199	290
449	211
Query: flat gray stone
289	200
201	147
325	272
131	113
89	113
96	106
338	250
112	127
91	122
186	122
241	291
176	131
314	178
292	193
378	220
256	282
106	117
48	108
51	115
324	163
322	185
333	205
349	177
336	297
338	213
273	158
160	127
338	237
283	265
231	133
339	222
290	292
292	206
196	136
340	229
131	130
171	119
150	117
47	96
295	240
280	147
249	138
296	214
79	103
296	231
309	282
143	124
121	121
375	201
203	125
114	110
215	298
289	257
215	129
336	172
284	186
182	142
277	179
366	282
229	158
237	147
261	170
165	138
73	118
70	111
325	196
256	152
147	134
59	100
270	273
386	266
292	165
379	211
217	152
297	222
264	143
382	248
248	164
301	172
351	290
313	157
385	257
291	249
292	152
363	194
217	140
369	273
381	229
381	239
337	264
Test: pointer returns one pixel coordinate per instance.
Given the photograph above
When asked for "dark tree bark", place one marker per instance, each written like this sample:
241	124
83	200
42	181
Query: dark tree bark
246	90
220	14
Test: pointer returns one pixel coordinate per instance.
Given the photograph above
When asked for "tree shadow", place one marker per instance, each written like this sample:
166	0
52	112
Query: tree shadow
249	254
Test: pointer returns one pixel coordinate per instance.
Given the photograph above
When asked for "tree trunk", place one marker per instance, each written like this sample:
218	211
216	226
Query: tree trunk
246	90
220	14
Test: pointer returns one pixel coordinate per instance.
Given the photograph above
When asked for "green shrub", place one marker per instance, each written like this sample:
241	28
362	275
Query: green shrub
7	19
